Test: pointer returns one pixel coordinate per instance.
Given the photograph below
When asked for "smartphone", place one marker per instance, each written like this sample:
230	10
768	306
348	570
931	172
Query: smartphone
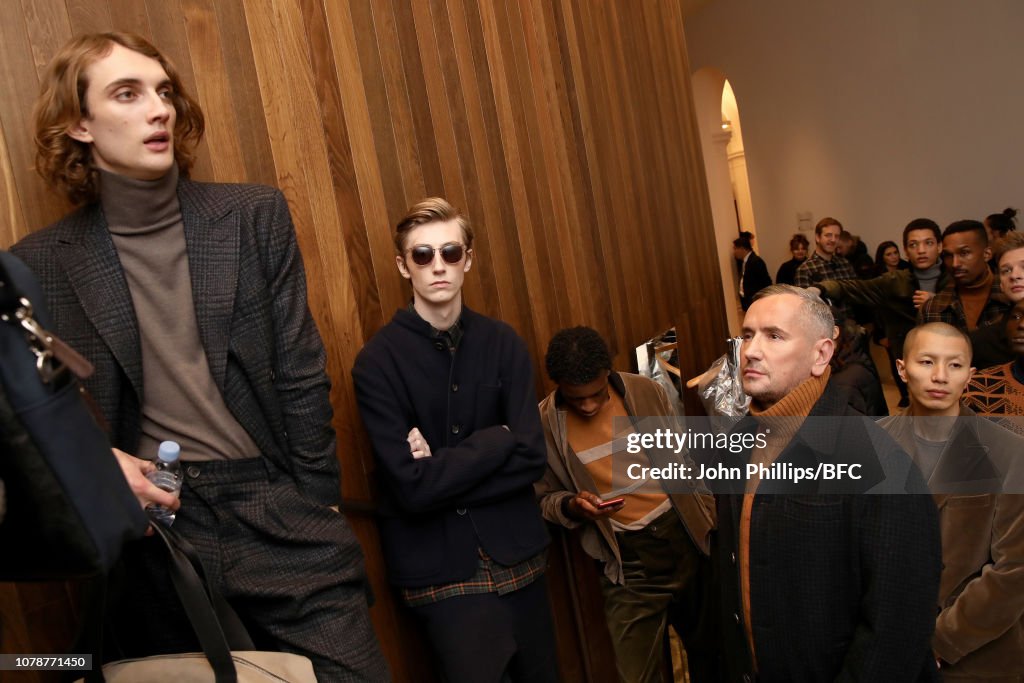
614	502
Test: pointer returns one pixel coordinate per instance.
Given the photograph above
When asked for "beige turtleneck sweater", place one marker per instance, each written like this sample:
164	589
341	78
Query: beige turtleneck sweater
180	400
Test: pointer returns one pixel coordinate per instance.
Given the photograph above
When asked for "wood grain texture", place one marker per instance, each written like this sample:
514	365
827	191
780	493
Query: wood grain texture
564	128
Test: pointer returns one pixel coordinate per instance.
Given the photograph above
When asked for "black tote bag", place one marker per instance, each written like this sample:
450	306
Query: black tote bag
69	508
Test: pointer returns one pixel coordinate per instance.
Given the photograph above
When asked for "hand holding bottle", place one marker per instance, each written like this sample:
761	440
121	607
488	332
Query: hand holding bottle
135	471
166	475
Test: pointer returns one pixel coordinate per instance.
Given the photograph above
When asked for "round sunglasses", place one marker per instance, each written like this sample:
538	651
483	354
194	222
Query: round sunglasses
423	254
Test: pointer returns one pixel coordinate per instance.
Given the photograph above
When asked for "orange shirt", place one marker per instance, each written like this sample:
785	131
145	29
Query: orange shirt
974	298
593	440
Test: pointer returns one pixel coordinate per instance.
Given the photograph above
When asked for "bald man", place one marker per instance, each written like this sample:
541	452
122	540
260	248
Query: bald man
968	462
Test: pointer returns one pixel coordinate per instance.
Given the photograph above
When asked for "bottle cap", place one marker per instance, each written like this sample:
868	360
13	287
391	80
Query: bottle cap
169	451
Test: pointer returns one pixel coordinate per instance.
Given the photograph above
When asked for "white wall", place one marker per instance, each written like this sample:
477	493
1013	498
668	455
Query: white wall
707	96
875	111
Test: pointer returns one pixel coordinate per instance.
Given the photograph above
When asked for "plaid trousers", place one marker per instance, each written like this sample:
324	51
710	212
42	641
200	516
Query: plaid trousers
291	568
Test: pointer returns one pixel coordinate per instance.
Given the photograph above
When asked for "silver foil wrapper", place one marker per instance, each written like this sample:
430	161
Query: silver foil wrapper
721	387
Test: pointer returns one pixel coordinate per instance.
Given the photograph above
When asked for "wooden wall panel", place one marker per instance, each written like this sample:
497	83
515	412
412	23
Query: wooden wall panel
563	127
10	206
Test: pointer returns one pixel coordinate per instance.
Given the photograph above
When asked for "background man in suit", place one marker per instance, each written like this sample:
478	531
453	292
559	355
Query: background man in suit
753	272
654	544
819	587
190	300
447	397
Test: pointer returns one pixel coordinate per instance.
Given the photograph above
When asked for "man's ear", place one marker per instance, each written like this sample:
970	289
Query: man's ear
988	255
469	261
901	369
967	382
402	268
823	350
79	131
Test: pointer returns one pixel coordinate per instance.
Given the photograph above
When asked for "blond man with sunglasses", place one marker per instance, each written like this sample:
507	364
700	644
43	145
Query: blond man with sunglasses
447	397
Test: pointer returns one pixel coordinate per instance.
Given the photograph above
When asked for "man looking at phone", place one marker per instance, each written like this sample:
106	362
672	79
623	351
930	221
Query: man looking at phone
447	397
653	545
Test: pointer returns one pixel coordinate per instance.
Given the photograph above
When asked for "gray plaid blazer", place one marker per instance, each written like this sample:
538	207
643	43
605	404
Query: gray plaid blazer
249	293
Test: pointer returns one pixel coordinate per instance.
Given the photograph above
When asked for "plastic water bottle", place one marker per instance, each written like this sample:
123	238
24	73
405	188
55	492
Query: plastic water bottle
167	476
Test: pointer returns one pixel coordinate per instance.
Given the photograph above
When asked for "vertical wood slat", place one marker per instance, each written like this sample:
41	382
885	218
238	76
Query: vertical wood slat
498	251
212	90
481	200
131	16
564	127
390	116
19	85
48	26
10	207
89	16
460	175
167	17
250	122
365	162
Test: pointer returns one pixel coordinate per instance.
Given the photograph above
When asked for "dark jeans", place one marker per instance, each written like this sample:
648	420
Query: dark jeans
667	581
491	638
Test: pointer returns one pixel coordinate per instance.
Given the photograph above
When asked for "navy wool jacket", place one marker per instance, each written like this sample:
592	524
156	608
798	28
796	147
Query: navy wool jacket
842	587
476	489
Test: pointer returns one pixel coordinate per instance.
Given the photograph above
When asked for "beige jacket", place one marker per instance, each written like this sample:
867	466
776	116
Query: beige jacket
566	476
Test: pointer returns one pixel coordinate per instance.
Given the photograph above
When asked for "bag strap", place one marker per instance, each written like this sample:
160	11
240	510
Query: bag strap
235	633
53	357
198	606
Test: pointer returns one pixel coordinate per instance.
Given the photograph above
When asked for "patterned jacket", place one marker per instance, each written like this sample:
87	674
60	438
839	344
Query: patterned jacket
249	292
996	391
945	307
815	269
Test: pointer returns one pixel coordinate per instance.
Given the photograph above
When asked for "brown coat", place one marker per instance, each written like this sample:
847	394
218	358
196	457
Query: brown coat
566	475
979	632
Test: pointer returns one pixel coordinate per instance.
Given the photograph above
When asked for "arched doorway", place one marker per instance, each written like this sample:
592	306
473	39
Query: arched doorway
725	166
